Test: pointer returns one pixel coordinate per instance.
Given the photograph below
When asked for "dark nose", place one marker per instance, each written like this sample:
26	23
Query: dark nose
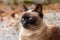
28	19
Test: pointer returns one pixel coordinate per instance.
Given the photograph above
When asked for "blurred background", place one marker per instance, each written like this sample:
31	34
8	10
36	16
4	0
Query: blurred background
29	1
8	22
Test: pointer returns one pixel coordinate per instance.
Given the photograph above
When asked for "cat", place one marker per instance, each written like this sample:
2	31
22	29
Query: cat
34	28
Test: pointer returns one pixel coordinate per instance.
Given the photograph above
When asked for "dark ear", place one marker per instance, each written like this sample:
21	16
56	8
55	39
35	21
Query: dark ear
39	10
25	8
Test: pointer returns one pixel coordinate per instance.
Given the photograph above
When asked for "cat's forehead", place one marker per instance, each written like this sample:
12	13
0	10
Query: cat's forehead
30	10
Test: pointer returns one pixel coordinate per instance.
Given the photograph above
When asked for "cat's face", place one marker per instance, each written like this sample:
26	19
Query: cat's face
32	19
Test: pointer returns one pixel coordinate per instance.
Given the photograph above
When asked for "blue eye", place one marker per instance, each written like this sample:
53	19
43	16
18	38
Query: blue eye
32	20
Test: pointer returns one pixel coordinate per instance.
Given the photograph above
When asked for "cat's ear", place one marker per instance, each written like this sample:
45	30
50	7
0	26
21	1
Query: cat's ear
39	10
25	8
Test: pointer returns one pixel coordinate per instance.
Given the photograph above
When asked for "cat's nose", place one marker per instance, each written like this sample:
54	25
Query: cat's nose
28	19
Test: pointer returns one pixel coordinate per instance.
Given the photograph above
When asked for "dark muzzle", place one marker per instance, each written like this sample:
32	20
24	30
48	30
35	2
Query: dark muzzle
28	20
